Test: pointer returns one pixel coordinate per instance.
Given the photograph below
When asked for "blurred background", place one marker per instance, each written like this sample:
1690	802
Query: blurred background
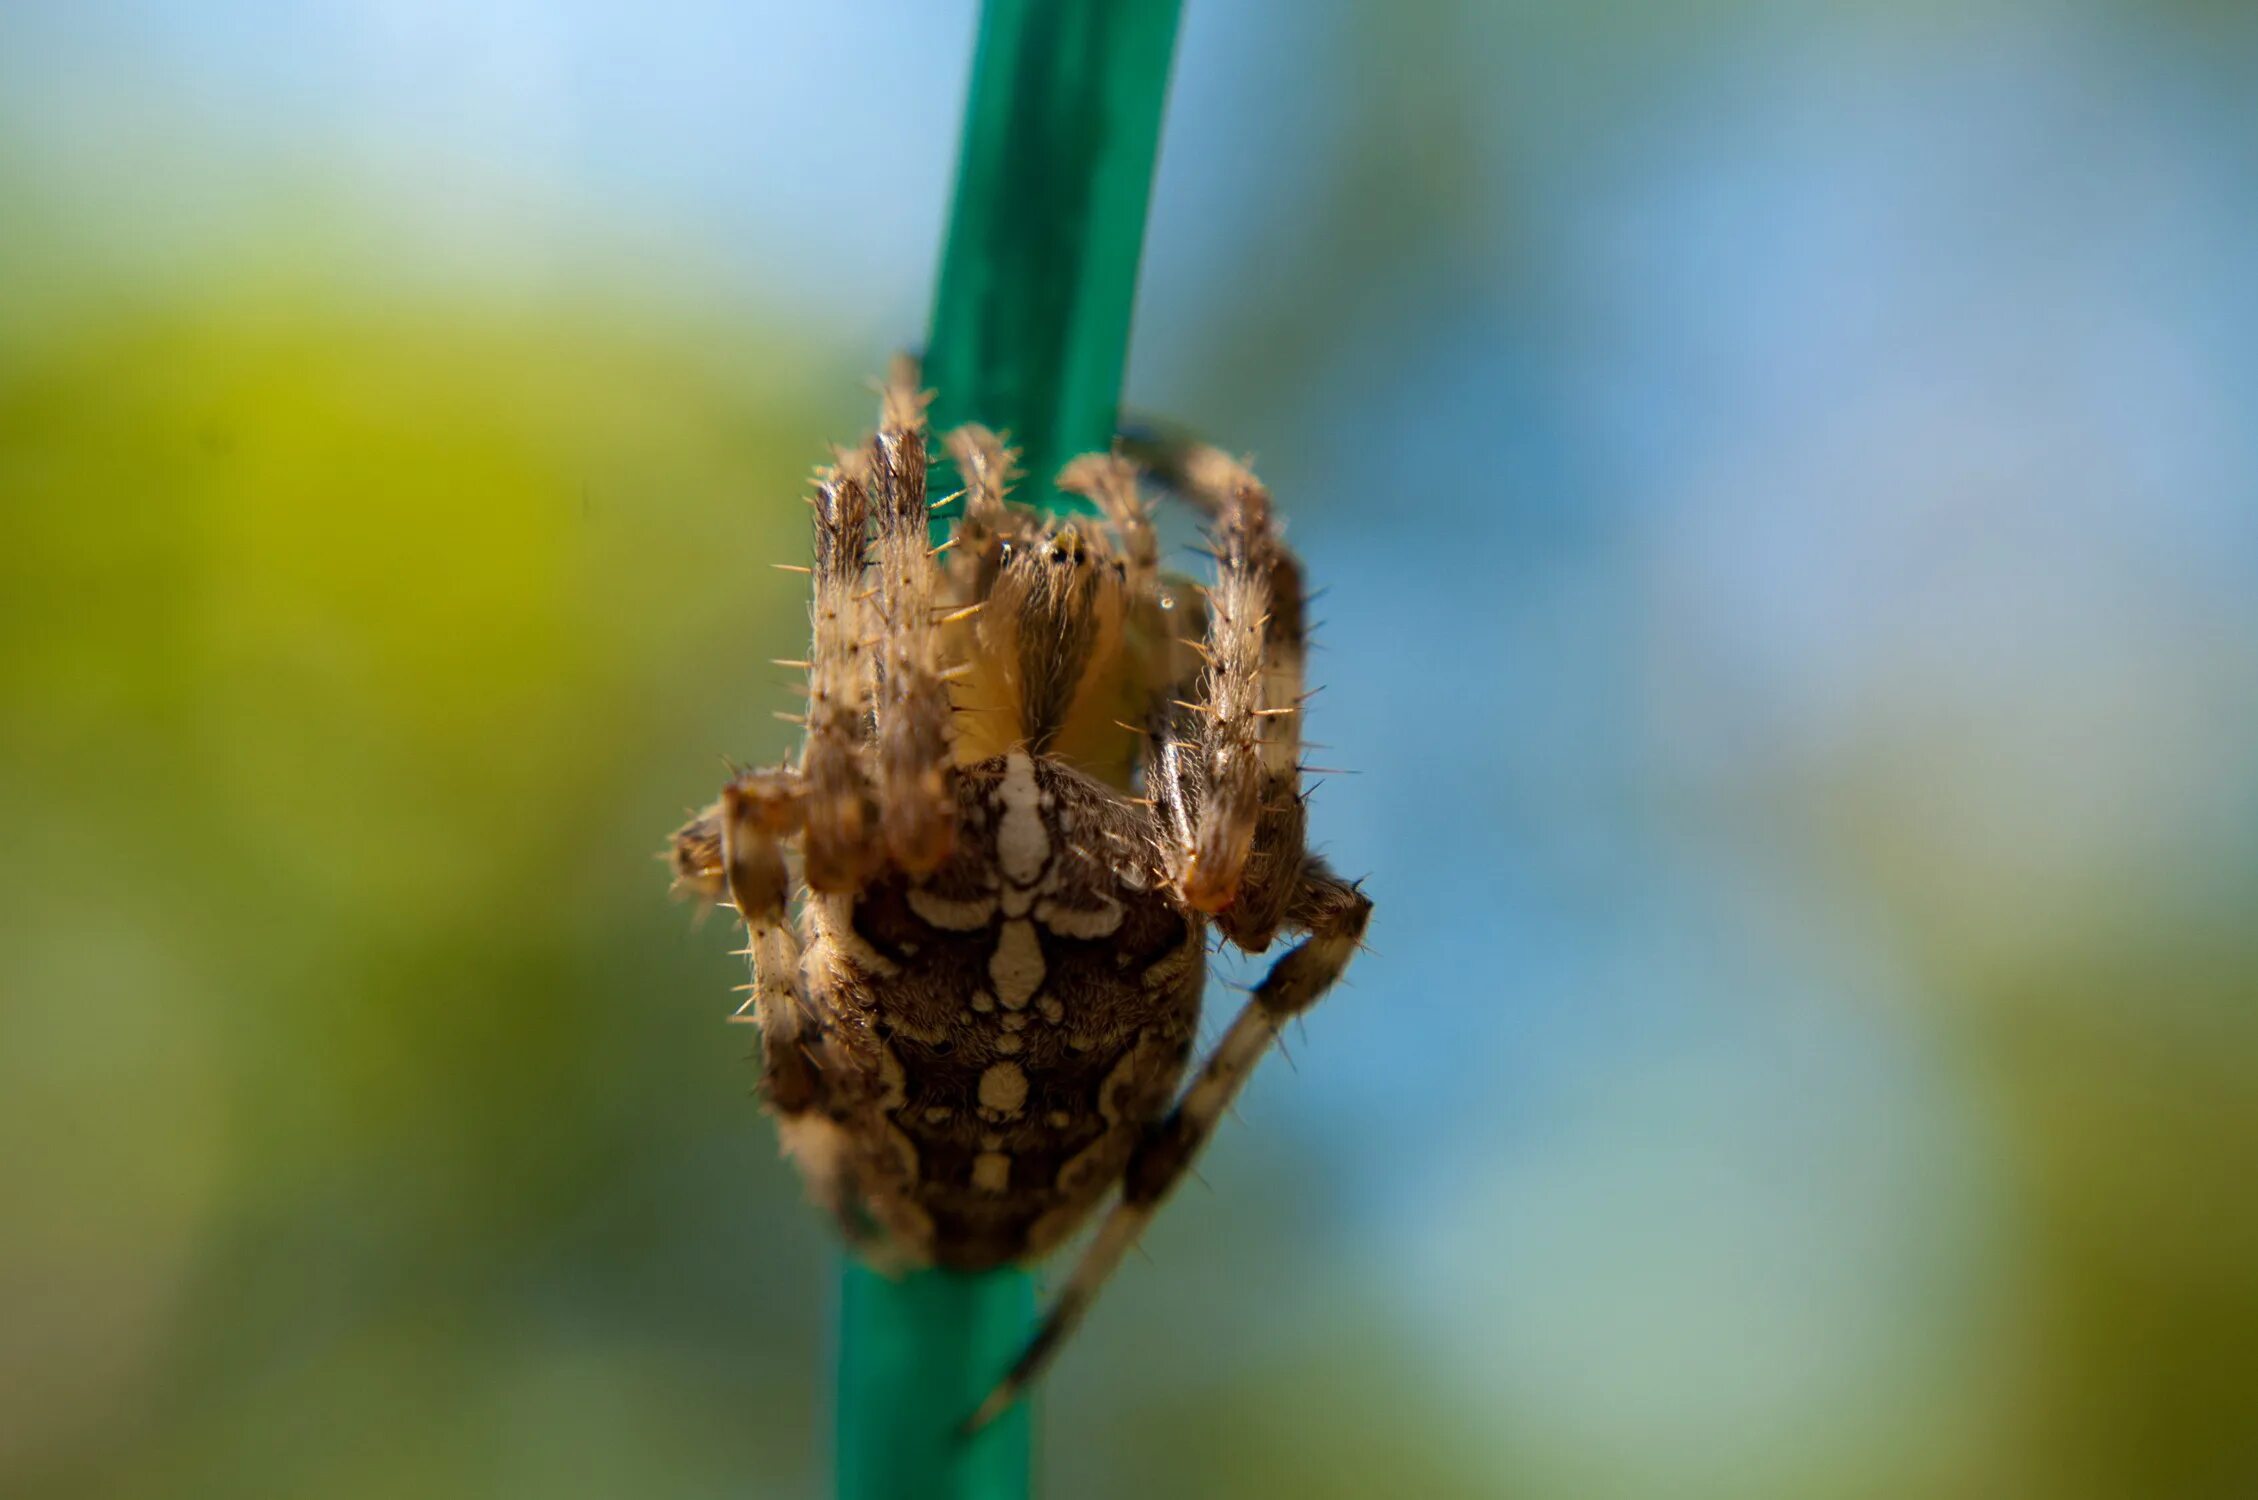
1784	479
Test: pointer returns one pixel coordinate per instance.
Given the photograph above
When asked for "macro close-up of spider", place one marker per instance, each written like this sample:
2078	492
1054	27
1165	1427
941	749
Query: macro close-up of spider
1036	773
1727	524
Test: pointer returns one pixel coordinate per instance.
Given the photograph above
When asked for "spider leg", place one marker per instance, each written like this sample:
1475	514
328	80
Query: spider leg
917	807
1111	481
986	466
1241	857
843	847
1332	914
1184	466
758	813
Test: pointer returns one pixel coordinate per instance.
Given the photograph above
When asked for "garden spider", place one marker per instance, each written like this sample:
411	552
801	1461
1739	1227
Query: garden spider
1035	772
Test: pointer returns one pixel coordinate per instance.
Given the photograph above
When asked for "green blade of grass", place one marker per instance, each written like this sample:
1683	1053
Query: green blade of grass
1030	333
1030	327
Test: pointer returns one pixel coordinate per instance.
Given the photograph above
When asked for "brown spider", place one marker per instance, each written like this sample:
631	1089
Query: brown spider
1027	788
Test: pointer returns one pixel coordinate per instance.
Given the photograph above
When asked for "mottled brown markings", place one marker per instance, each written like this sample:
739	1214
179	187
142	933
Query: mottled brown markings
1023	843
1087	923
1061	1081
951	916
1016	963
1188	954
1003	1090
1036	772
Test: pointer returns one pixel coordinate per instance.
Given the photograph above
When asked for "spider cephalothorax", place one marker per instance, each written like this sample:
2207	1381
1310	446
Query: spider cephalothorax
1035	773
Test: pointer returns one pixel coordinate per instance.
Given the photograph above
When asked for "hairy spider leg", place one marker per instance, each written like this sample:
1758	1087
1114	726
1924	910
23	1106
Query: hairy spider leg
800	1079
987	468
917	808
1241	860
985	688
758	813
1247	546
842	846
1111	481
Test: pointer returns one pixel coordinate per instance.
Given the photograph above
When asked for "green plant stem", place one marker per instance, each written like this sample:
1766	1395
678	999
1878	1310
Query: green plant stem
1030	328
1030	334
916	1354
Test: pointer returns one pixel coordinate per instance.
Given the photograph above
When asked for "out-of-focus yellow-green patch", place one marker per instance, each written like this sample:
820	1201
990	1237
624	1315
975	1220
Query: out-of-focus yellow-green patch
359	654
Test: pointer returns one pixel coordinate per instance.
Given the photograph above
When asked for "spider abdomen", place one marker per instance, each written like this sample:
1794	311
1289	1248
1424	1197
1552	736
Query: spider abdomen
998	1034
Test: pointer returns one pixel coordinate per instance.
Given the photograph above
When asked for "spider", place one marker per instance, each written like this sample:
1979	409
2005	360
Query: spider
1035	772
